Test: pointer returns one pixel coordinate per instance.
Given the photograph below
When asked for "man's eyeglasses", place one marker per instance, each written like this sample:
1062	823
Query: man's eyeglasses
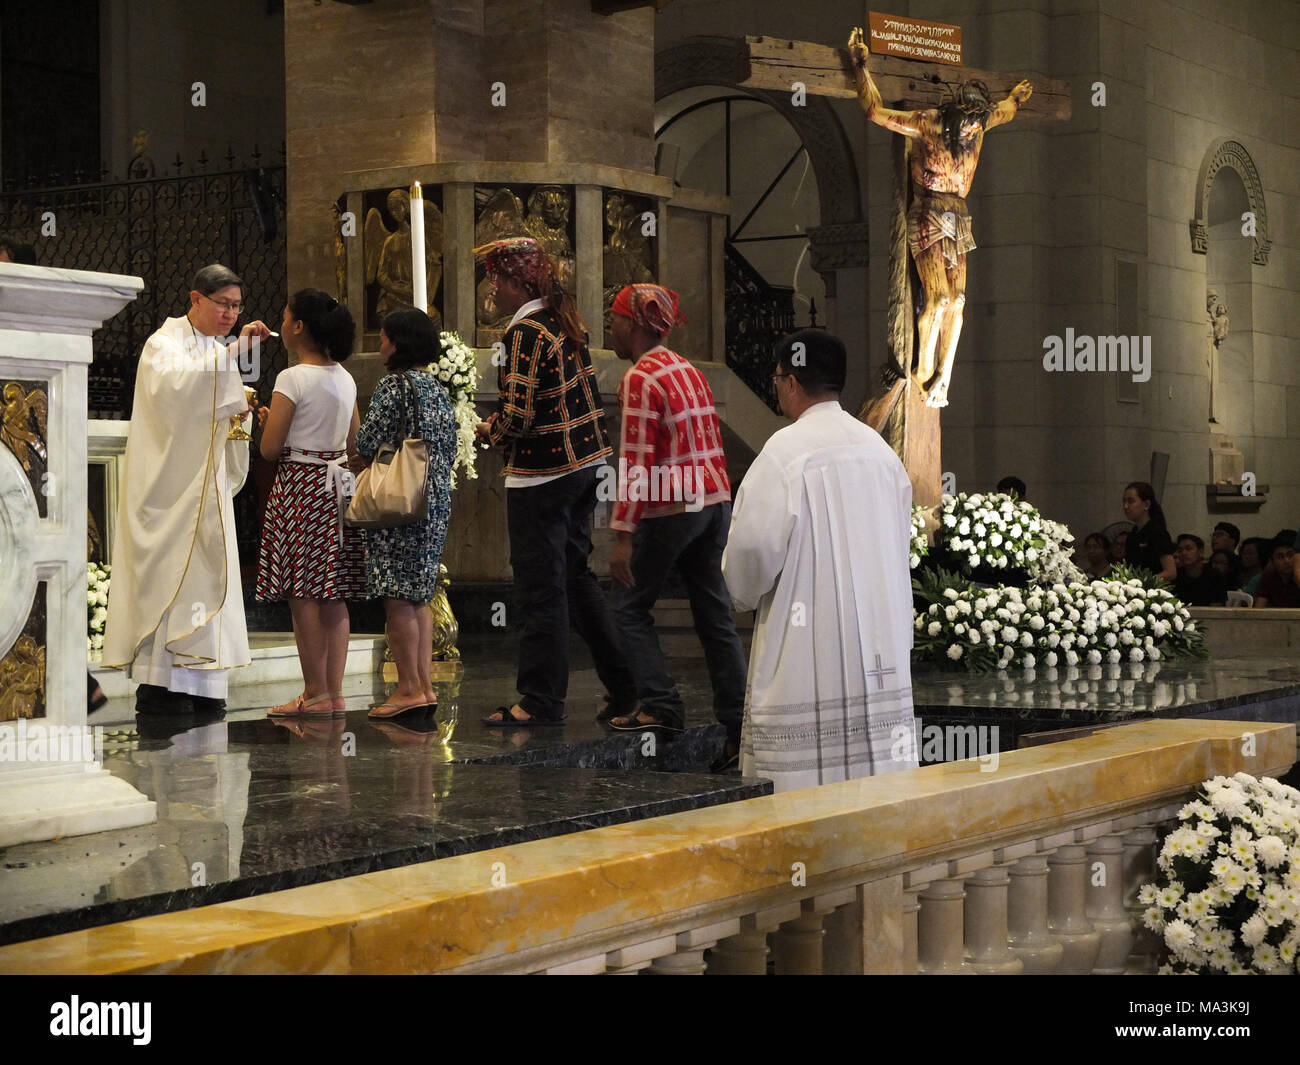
225	306
777	375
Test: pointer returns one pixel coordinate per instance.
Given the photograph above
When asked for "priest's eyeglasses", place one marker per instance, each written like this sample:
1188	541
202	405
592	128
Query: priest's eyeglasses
223	304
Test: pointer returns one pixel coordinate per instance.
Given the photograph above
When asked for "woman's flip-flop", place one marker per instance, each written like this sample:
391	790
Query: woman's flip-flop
296	707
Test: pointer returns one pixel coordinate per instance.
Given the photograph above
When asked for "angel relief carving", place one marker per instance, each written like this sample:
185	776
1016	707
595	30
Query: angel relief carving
388	254
23	422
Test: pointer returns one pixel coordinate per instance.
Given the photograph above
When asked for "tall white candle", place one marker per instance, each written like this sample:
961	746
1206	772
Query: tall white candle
419	281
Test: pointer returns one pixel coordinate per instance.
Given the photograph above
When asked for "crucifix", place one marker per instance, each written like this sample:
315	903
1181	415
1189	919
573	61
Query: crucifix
934	162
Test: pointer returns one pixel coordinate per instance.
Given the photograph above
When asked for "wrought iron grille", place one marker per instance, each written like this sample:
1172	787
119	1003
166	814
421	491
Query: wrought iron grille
758	315
163	229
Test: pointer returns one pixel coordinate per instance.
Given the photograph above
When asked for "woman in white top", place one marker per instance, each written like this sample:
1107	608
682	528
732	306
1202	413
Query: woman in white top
308	555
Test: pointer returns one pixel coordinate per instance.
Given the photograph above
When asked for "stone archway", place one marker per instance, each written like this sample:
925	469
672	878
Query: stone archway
840	241
1232	154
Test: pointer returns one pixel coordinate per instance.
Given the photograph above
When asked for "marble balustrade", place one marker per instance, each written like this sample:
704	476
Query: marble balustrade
1032	868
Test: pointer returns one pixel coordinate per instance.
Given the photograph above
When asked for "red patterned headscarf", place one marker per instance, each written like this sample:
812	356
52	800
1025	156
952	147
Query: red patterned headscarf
519	257
652	307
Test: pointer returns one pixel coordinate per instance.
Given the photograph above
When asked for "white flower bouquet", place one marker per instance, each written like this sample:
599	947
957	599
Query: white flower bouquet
1080	623
920	538
457	369
988	534
97	577
1226	898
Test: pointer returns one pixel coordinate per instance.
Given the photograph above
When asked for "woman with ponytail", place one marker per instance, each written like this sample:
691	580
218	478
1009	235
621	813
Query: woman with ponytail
308	555
1149	545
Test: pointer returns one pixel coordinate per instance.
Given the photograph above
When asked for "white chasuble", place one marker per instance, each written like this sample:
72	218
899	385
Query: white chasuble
175	604
819	549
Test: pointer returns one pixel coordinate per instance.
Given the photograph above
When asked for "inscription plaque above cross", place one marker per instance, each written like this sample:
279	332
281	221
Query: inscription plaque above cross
942	129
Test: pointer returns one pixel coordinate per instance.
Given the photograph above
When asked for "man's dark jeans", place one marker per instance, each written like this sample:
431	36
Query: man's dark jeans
550	542
694	542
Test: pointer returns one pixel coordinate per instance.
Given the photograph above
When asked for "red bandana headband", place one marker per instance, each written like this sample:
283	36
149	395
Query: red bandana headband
652	307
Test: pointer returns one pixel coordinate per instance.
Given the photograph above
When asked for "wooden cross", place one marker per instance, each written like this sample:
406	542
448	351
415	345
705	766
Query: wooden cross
897	410
772	63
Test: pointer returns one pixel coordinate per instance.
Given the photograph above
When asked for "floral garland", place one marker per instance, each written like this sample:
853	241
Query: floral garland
457	369
97	578
1226	898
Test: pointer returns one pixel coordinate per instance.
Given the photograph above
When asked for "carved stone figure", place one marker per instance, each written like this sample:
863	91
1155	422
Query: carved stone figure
1217	315
388	254
500	217
23	422
628	256
548	220
944	146
22	679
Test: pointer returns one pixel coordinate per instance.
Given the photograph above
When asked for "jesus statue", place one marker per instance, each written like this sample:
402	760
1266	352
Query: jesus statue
944	150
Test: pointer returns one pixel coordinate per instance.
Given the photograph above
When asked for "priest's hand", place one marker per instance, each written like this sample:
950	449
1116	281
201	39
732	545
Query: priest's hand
620	560
256	329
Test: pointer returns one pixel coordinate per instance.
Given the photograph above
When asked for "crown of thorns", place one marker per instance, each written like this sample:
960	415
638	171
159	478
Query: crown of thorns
961	96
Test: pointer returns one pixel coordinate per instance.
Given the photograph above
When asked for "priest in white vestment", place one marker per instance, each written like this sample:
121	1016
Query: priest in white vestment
175	606
819	549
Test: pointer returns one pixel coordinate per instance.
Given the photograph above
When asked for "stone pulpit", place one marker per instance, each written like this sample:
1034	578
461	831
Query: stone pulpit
52	781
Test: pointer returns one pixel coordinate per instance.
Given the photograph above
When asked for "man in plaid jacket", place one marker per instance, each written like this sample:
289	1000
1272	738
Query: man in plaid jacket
551	425
673	508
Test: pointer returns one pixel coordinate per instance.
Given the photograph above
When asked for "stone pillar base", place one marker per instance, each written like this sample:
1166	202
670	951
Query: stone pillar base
71	802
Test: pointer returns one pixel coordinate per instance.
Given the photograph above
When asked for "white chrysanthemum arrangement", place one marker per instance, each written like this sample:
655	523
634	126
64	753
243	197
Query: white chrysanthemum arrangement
1226	898
920	538
457	369
990	531
97	577
1081	623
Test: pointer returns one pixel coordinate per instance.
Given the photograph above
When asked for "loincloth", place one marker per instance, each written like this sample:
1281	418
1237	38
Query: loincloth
927	225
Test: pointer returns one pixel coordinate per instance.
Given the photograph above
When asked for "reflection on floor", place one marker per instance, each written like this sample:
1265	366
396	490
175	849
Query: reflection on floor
248	805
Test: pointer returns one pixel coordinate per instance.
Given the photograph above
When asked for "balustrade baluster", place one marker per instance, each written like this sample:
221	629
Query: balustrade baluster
939	933
1027	933
1105	904
688	959
1139	869
1067	887
986	923
745	954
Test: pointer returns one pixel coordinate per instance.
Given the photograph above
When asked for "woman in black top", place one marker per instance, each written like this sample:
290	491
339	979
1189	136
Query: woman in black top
1149	544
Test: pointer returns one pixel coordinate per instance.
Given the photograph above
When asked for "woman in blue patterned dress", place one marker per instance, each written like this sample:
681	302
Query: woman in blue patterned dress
402	563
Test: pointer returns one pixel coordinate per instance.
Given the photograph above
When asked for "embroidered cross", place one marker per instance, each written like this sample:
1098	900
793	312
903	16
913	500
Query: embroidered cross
879	673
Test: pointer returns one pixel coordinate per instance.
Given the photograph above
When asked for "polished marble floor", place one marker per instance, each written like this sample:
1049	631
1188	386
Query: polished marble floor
248	805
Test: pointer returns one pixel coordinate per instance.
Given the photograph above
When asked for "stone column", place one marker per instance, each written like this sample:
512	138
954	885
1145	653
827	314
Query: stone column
46	319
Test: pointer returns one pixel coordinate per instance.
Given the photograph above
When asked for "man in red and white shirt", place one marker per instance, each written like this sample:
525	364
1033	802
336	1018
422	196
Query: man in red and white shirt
673	508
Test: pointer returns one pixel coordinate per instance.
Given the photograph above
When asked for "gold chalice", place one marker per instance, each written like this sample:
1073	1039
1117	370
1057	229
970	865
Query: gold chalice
237	430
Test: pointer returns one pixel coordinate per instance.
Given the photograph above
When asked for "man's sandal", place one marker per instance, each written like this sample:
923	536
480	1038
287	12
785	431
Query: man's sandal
501	717
632	723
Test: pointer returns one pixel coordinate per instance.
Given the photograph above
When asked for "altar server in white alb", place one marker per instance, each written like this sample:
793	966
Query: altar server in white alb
176	607
819	548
